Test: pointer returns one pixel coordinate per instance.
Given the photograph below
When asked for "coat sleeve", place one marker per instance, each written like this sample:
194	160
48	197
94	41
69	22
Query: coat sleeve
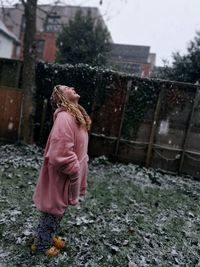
61	147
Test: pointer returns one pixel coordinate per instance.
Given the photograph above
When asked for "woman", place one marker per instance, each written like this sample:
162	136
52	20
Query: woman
63	176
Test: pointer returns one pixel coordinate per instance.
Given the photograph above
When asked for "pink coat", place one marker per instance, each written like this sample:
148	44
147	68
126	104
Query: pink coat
63	176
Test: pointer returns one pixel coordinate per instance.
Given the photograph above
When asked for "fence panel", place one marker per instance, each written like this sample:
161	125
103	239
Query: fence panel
10	111
106	117
138	120
173	125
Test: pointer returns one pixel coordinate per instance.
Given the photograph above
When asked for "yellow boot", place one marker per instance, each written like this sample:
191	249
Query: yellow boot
58	242
33	248
51	252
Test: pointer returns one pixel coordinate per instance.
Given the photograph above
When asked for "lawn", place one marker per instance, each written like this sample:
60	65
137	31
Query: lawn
131	216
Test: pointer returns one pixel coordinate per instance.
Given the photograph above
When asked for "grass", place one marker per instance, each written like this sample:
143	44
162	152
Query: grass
126	219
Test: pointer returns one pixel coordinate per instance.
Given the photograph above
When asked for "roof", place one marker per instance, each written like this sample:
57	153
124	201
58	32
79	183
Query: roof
129	53
8	33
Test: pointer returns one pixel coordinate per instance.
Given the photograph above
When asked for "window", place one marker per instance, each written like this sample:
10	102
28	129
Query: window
39	49
53	24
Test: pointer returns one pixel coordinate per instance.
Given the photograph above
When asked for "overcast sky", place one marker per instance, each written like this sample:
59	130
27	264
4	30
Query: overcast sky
164	25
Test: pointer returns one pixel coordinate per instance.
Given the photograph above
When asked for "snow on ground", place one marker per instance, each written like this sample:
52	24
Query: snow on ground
131	216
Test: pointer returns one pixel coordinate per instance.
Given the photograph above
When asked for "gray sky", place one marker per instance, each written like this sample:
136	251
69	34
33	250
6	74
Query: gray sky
164	25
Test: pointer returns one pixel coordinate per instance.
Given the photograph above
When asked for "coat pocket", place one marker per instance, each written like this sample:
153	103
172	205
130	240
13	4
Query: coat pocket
74	190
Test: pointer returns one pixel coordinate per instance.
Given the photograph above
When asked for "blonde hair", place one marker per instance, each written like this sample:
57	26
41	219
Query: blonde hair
59	100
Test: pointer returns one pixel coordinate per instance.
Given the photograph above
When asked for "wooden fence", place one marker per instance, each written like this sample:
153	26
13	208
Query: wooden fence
10	112
167	136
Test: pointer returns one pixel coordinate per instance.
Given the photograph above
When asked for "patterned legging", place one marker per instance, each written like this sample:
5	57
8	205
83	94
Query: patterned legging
47	227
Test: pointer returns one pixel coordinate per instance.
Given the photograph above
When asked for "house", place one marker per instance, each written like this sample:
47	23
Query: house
49	22
9	44
132	59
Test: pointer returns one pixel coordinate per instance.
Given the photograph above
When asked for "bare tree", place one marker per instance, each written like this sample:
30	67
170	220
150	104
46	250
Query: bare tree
28	74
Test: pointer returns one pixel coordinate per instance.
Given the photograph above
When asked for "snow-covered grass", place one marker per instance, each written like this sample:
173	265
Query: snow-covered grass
130	217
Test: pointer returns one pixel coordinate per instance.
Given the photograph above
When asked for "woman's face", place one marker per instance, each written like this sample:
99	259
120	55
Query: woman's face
70	93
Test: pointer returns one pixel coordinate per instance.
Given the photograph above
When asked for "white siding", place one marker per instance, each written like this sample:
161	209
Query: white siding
6	46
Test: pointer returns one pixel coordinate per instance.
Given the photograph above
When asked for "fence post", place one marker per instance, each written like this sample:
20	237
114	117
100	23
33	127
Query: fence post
196	99
153	128
44	110
129	84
